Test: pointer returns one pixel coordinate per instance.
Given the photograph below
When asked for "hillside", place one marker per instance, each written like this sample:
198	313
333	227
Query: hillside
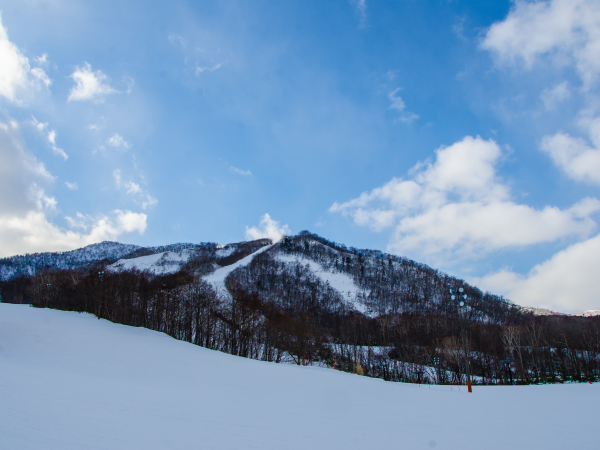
70	381
308	300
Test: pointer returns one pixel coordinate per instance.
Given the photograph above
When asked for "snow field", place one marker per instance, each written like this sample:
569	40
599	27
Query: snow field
158	264
341	282
70	381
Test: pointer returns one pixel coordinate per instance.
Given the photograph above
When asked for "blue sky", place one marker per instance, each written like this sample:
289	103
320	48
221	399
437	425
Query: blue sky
464	135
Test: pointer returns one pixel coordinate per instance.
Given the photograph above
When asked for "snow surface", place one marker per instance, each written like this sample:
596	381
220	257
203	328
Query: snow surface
158	264
70	381
224	252
341	282
587	313
217	278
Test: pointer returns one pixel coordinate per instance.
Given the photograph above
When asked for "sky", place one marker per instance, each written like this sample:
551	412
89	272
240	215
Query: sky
461	134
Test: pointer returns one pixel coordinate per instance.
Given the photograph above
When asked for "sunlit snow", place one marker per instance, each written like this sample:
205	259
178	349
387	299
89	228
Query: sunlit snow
158	264
217	278
69	381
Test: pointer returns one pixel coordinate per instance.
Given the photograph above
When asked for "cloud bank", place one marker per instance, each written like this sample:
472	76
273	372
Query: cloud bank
565	282
565	31
458	206
17	77
25	207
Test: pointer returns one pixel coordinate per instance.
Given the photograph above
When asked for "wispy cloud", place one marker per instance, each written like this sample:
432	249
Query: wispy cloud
72	186
201	69
140	196
240	171
177	40
50	136
553	96
41	60
361	12
89	85
117	141
398	104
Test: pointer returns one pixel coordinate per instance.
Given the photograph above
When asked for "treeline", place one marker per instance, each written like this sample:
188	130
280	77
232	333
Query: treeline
273	313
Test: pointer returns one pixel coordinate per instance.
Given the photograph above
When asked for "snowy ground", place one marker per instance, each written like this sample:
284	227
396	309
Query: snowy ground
70	381
158	264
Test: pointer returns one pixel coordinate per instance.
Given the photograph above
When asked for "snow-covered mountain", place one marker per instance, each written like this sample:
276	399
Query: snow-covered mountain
106	252
303	269
367	281
331	275
306	297
29	264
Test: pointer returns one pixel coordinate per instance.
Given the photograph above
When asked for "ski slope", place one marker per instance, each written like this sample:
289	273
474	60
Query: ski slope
341	282
70	381
159	263
217	278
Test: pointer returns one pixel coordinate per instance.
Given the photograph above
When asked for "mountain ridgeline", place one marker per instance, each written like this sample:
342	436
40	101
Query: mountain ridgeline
308	300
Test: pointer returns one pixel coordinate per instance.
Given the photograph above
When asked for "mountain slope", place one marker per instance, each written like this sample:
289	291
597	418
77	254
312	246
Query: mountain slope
70	381
24	265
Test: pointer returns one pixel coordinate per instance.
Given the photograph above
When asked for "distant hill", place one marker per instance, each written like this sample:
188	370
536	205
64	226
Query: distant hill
306	299
332	275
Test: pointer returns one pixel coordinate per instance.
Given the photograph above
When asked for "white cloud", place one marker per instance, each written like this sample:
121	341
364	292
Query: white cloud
177	40
552	97
201	69
457	206
361	11
568	31
568	281
240	171
141	197
574	155
34	233
117	141
24	207
268	228
72	186
17	79
50	136
398	104
41	60
89	85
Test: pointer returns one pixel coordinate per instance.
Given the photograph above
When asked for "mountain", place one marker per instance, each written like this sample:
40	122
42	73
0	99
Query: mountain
305	270
104	252
307	300
29	264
